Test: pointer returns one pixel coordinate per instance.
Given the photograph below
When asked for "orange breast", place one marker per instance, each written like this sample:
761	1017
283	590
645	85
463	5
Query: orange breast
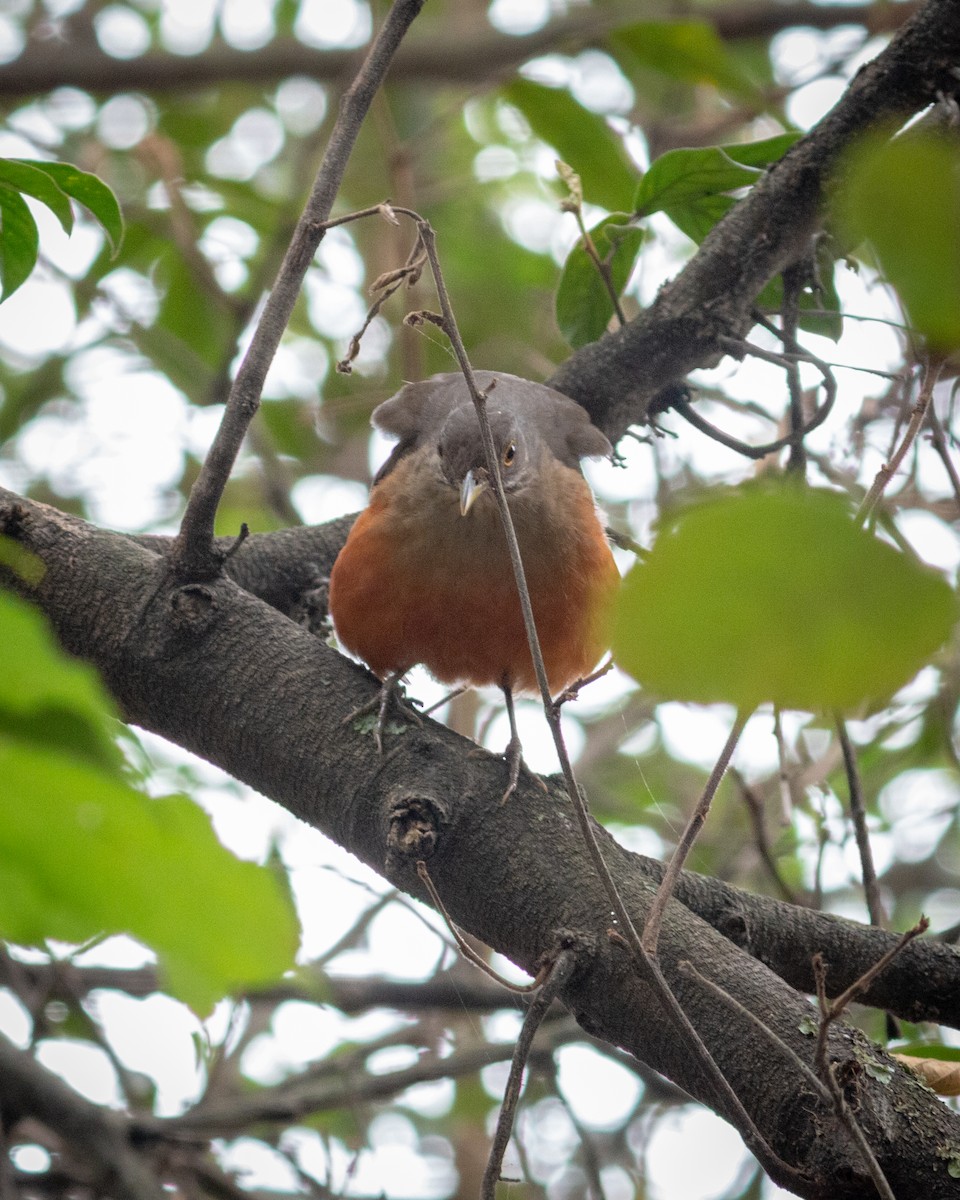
418	583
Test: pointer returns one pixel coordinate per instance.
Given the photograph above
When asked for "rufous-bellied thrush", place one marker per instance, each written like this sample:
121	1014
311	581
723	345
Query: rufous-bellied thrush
425	575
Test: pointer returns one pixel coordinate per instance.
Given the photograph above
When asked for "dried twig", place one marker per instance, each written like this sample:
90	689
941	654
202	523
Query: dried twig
858	815
917	417
830	1011
557	975
938	437
651	930
193	555
464	946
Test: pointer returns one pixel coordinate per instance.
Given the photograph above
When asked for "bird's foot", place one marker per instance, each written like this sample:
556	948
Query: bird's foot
513	756
389	696
515	764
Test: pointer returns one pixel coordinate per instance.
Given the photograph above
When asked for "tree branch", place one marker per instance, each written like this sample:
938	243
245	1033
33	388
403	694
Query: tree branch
79	62
202	665
98	1135
616	378
193	555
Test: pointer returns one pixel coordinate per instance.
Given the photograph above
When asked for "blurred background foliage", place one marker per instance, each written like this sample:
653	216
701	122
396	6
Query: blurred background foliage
208	120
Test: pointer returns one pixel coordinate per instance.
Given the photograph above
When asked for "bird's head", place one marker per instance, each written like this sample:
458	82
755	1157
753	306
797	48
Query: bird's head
463	462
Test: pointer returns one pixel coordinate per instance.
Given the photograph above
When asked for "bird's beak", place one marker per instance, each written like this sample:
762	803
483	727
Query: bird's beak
473	484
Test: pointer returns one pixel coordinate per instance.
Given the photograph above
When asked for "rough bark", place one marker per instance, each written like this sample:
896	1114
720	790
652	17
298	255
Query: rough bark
289	570
221	673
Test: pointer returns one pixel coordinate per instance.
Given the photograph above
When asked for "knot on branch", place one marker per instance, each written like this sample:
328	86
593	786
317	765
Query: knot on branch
12	516
192	608
415	826
312	609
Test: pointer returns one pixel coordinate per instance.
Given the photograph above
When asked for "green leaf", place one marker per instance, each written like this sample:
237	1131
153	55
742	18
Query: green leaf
581	138
764	152
697	216
904	197
690	186
689	51
680	176
773	594
684	175
24	177
82	853
928	1050
583	303
19	241
87	190
52	701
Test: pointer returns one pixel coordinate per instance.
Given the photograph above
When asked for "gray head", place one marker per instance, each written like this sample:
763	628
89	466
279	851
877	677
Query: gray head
529	421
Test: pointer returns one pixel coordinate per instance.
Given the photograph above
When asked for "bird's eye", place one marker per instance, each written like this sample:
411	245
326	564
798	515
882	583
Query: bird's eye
439	449
509	454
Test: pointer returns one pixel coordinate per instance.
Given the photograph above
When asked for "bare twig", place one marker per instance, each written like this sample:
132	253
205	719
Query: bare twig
853	1128
762	838
831	1011
689	414
651	930
628	933
858	815
193	554
829	1091
464	946
792	283
940	445
558	974
917	416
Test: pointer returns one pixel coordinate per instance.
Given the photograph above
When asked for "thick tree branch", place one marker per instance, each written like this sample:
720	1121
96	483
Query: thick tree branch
68	62
203	665
288	570
616	378
98	1135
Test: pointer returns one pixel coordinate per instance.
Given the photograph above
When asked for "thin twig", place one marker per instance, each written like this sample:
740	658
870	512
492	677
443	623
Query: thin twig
917	416
938	437
558	974
726	1098
792	283
853	1128
831	1011
762	838
629	936
464	946
783	774
830	1092
858	815
193	555
651	930
628	933
689	414
859	986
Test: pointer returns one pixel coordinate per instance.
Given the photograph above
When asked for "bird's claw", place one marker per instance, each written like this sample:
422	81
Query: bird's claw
388	697
515	763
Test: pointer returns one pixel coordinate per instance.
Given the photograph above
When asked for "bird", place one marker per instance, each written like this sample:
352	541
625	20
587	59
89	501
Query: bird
425	577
